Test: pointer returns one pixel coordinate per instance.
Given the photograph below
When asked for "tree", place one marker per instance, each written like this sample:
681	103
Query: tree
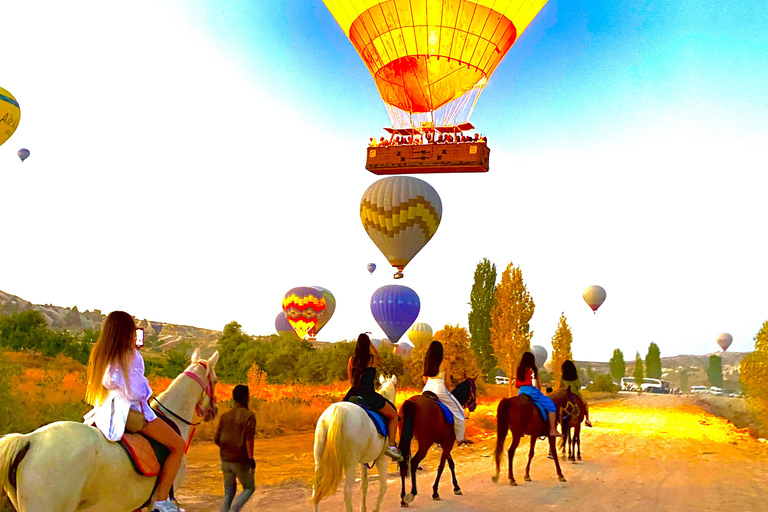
232	344
753	374
561	350
510	329
456	351
638	374
715	370
481	301
684	381
618	366
176	362
653	362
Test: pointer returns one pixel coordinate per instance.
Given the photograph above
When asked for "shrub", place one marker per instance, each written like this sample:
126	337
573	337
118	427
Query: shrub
603	382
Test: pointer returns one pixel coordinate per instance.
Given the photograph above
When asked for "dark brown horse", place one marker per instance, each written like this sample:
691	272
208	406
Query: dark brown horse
421	417
520	416
571	410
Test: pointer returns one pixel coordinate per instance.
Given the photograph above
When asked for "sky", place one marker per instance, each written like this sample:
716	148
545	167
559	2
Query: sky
191	161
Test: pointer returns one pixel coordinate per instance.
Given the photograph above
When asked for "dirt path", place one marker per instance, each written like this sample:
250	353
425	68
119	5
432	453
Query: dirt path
648	454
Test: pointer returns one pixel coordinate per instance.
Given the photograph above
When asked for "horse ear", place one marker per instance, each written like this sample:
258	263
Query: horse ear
382	380
473	379
394	379
213	359
196	355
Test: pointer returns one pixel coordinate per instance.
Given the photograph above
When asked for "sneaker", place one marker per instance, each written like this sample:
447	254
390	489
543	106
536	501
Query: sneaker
166	506
393	452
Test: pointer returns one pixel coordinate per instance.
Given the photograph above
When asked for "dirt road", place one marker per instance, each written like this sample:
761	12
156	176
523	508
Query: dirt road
649	454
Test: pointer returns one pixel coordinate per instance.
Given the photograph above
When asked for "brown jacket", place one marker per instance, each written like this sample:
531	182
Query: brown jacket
235	428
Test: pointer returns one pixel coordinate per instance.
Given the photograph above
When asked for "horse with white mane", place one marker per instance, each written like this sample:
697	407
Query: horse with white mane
344	437
71	467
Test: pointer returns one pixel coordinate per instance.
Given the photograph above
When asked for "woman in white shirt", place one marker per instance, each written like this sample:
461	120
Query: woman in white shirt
437	372
119	392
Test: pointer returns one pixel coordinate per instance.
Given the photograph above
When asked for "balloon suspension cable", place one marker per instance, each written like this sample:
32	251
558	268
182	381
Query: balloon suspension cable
452	113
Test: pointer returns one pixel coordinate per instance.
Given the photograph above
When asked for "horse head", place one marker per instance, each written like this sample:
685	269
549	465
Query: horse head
466	394
203	372
387	389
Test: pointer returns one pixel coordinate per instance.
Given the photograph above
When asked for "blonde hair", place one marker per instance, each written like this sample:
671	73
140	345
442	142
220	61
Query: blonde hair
114	346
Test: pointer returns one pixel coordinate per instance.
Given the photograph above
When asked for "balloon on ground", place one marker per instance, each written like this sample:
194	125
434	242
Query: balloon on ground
330	307
10	113
395	308
23	154
304	307
400	214
282	326
420	334
371	267
724	340
594	296
540	354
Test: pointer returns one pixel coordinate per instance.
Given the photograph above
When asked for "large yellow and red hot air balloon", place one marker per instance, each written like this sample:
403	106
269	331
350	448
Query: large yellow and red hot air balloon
430	59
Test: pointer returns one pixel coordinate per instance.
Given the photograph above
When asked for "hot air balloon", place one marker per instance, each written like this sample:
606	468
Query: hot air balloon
10	113
400	214
282	326
540	354
371	268
594	296
304	307
420	334
395	308
330	307
724	340
23	154
403	350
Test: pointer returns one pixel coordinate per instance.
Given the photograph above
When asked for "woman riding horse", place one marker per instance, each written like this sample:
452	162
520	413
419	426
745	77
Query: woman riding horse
570	380
525	378
437	371
361	371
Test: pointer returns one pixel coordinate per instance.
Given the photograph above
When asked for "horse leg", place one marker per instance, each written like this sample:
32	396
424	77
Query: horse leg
349	472
381	467
577	440
363	484
511	456
557	462
530	458
443	458
452	466
403	475
420	454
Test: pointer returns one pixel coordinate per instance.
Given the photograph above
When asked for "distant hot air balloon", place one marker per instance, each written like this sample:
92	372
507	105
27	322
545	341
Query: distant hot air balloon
403	350
371	267
540	354
594	296
330	307
431	59
400	214
23	154
395	308
282	326
724	340
304	307
420	334
376	342
10	113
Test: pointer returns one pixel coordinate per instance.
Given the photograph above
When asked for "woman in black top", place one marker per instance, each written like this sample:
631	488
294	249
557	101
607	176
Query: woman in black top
361	371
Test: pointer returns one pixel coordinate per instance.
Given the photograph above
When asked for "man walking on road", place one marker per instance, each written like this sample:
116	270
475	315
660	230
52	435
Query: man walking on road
234	436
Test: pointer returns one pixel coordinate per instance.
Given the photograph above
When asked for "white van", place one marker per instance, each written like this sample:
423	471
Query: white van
502	380
699	389
714	390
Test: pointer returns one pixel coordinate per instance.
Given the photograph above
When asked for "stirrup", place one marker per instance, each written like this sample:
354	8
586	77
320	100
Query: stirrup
394	453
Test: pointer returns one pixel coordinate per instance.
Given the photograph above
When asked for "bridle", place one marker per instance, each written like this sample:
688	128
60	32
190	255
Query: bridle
207	390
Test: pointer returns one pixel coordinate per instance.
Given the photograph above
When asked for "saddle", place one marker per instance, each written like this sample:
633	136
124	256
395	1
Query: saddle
446	411
571	408
376	418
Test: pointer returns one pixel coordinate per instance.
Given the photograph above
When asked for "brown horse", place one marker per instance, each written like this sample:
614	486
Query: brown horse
421	417
520	416
572	411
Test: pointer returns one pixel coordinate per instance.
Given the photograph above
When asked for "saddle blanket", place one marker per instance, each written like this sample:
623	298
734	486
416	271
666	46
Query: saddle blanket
378	420
147	455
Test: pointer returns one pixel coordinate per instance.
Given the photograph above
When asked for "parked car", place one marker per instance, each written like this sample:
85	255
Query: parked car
502	380
714	390
699	389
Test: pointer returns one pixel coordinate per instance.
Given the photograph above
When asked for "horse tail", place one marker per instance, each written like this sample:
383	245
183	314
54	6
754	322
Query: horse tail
502	426
13	448
406	435
329	464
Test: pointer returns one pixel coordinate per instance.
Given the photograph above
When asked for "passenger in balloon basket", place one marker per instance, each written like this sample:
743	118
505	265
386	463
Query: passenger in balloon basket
437	371
570	380
361	371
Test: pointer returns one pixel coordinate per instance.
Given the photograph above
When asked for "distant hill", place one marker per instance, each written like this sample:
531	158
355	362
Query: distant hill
160	336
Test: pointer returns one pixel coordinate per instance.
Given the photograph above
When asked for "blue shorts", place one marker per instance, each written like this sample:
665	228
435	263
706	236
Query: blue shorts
543	402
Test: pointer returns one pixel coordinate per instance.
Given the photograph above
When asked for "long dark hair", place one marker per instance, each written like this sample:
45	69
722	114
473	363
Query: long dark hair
527	361
433	359
569	370
361	358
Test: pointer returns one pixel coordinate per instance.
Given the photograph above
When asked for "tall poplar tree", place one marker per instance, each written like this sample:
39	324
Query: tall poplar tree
561	349
753	373
510	330
684	381
715	370
638	374
653	362
618	366
481	301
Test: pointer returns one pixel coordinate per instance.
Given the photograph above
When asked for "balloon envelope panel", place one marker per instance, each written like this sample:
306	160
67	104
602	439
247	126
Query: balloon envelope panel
400	214
304	307
10	113
395	308
282	326
594	296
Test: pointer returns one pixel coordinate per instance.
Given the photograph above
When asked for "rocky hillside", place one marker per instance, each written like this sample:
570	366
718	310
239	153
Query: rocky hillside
160	336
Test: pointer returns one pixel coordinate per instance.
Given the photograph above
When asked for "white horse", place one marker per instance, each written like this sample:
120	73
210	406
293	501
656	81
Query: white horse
71	467
345	437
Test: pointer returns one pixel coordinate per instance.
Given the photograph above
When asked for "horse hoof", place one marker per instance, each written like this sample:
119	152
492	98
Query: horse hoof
436	497
578	458
528	479
513	483
408	499
495	478
403	504
458	492
562	479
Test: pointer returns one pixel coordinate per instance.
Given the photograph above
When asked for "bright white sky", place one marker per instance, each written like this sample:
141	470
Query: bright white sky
169	179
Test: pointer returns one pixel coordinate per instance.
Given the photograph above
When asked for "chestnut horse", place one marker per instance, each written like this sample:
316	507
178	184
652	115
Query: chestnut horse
520	416
572	414
421	417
